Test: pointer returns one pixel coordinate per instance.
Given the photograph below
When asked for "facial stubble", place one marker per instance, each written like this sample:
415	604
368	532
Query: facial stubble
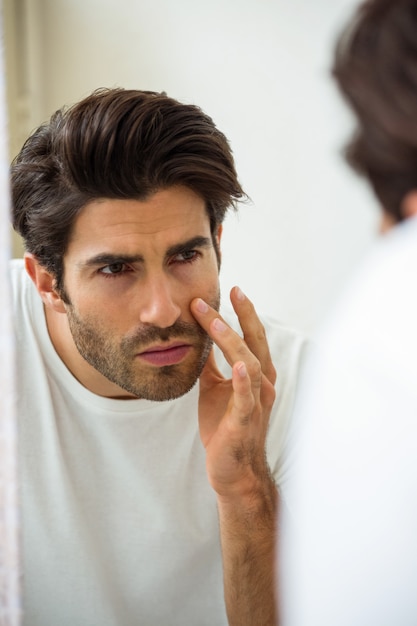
119	363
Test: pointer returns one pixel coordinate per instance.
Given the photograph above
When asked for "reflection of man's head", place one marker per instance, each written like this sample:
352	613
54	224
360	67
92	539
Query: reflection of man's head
375	67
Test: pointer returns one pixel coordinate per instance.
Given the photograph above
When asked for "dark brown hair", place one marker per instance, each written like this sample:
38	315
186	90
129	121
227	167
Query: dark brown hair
376	69
116	144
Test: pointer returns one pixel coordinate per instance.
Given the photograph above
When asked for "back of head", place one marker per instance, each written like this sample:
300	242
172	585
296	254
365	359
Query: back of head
116	144
376	69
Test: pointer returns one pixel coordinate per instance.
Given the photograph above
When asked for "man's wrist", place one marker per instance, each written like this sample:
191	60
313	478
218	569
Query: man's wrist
257	497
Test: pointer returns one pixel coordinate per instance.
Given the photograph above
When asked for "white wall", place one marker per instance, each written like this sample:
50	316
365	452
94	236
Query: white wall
260	68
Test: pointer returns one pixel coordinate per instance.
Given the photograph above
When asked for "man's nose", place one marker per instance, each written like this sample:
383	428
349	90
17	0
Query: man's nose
159	303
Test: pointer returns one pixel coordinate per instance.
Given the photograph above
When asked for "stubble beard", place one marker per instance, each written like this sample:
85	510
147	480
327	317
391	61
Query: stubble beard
119	364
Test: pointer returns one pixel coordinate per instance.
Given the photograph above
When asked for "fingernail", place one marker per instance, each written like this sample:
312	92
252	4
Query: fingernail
239	294
219	325
242	370
201	306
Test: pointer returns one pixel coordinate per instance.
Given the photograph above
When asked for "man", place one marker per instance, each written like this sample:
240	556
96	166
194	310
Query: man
350	556
146	499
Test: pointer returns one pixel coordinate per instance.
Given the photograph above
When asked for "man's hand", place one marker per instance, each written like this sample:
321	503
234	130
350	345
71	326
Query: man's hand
233	419
234	413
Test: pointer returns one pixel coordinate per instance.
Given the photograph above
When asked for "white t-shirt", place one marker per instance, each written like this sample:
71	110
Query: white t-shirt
119	522
349	551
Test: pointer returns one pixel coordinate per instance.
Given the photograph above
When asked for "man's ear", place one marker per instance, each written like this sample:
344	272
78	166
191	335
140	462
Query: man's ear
409	204
44	282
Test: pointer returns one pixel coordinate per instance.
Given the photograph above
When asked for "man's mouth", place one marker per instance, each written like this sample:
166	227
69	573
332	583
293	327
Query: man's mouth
162	355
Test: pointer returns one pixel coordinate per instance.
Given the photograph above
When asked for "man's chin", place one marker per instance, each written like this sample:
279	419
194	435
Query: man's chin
163	392
170	395
162	386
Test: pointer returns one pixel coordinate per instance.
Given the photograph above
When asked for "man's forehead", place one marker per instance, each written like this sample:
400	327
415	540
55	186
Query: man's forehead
167	218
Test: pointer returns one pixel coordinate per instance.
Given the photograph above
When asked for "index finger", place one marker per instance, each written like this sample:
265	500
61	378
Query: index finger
253	331
228	340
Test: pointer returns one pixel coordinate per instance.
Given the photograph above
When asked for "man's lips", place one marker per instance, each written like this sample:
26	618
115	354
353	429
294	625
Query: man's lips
165	354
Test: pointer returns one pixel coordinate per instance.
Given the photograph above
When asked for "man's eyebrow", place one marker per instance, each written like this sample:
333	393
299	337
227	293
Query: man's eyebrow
195	242
107	258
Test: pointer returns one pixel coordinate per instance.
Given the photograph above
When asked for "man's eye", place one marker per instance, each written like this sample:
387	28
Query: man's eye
186	257
113	268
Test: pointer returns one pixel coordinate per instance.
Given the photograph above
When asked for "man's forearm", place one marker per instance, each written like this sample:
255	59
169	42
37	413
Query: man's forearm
247	528
233	420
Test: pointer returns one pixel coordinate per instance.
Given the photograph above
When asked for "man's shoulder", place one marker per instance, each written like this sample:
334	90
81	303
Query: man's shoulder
17	269
16	264
26	303
18	275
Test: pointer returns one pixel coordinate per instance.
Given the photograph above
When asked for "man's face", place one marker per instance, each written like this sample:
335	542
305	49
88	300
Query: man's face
130	272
